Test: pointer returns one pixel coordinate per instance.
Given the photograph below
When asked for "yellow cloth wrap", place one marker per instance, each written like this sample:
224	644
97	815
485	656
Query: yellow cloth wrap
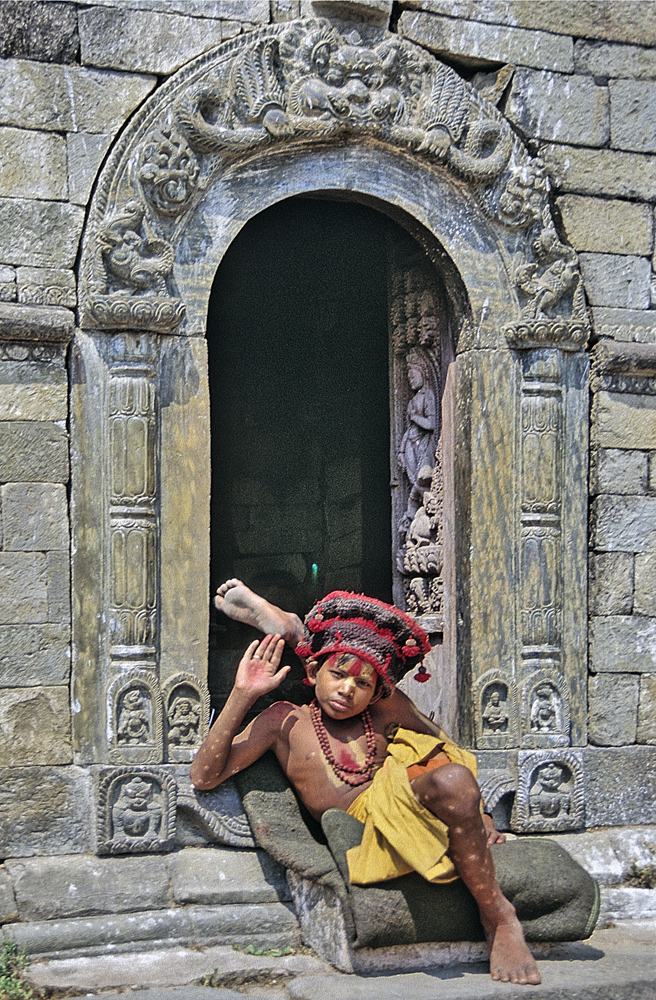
400	835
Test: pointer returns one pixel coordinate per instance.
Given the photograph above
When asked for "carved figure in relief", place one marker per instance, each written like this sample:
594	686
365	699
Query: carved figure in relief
344	750
134	262
550	795
495	714
184	720
135	813
544	710
133	718
416	449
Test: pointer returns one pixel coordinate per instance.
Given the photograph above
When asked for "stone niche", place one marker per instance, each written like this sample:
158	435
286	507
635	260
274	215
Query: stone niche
489	396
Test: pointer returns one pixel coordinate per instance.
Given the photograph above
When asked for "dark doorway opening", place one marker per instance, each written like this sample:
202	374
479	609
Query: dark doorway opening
298	340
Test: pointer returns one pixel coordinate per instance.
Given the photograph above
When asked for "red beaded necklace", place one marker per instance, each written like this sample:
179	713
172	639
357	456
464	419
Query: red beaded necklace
350	774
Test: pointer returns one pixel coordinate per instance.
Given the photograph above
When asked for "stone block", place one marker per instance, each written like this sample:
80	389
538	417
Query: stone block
44	811
52	324
35	726
626	903
39	233
474	42
652	471
215	875
59	587
44	31
33	452
85	154
624	420
629	21
34	654
633	115
620	785
35	516
254	11
143	41
611	583
68	98
644	602
624	524
613	470
647	709
7	283
32	165
613	709
29	392
46	286
625	324
604	59
52	888
603	226
617	281
606	172
620	644
23	588
8	908
559	108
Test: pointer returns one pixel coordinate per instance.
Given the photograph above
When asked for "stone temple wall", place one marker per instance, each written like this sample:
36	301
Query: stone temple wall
580	91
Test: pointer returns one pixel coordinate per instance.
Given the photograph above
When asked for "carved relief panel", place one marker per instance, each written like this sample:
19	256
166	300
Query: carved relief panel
550	793
134	713
495	701
136	811
186	713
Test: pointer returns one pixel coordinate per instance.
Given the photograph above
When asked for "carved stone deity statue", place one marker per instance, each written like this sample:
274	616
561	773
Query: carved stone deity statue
134	718
135	814
184	720
416	449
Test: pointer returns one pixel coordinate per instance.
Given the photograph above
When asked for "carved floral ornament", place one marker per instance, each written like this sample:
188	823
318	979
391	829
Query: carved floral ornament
305	82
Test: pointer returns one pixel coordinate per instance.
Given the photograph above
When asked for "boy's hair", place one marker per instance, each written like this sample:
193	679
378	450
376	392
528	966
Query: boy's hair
375	632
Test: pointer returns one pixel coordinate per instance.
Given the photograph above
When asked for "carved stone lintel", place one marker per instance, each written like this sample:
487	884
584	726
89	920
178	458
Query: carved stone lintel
550	792
136	810
495	706
624	367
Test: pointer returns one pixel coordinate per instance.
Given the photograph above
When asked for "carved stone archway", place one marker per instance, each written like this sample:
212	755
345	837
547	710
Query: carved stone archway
286	110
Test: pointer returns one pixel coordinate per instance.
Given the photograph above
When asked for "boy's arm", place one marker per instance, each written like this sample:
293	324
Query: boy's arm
223	752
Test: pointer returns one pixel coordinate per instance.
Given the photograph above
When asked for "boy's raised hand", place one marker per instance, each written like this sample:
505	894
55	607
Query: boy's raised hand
258	671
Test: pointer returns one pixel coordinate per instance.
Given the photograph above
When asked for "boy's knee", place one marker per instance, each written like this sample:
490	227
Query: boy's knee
455	786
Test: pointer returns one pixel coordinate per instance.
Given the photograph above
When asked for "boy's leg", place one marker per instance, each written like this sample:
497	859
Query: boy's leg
243	605
451	793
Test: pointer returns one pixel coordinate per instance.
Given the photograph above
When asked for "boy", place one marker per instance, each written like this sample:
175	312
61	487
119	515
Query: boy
363	747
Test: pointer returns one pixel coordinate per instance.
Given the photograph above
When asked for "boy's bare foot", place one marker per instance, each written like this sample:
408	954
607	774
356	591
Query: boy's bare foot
240	603
510	959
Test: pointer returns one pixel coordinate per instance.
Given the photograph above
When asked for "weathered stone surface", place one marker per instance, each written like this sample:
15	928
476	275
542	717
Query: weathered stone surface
8	908
255	11
624	420
46	286
647	709
613	709
24	588
34	654
68	98
215	875
145	42
621	644
603	226
620	785
627	903
32	390
50	324
41	233
614	280
475	42
33	452
35	726
603	59
605	172
59	587
44	810
7	283
645	584
625	324
379	11
85	154
652	471
633	115
611	583
32	165
35	516
45	31
624	524
630	21
613	470
608	855
559	108
79	885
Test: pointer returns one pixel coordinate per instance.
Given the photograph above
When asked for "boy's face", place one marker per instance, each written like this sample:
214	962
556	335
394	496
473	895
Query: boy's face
343	685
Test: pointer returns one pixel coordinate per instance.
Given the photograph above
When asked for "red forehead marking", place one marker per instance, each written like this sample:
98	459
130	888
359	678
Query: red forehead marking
354	670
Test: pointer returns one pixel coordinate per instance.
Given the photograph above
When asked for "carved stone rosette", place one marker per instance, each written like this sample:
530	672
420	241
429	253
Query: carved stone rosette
550	793
186	715
496	716
136	810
